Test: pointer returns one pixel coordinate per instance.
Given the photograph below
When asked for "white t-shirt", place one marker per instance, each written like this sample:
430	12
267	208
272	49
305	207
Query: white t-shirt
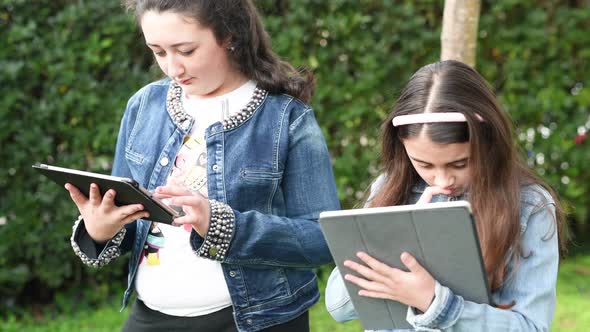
171	278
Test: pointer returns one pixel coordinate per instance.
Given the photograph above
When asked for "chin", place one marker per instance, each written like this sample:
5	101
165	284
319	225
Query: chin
199	93
457	193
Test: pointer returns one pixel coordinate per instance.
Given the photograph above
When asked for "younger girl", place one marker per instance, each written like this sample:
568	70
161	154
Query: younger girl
229	138
447	138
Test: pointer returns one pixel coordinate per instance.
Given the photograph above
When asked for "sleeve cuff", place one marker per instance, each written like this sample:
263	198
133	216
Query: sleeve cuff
337	298
110	251
442	313
221	230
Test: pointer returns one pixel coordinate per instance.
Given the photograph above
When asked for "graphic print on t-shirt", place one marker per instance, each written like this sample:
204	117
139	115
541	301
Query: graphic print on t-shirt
154	242
190	171
190	165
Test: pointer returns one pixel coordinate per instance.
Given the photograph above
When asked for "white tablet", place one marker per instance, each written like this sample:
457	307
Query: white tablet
442	237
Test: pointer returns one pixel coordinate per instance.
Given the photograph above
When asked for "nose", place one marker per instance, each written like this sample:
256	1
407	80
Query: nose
443	179
175	68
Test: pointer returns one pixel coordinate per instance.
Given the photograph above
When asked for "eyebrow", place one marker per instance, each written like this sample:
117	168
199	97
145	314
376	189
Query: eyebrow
173	45
449	163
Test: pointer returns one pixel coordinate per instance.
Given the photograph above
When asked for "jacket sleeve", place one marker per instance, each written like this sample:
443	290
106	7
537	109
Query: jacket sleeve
94	254
337	300
531	286
293	240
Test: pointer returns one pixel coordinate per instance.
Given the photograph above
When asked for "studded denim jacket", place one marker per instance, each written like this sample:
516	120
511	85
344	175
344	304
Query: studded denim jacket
269	176
531	286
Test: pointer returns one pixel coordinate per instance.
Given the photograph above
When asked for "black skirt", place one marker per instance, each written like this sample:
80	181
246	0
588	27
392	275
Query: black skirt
144	319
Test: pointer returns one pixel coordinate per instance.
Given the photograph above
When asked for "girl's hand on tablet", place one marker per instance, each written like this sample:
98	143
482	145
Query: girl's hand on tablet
195	206
171	189
378	280
429	192
102	218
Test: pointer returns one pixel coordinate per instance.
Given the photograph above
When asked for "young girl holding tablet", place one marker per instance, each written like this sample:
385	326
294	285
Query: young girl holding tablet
447	138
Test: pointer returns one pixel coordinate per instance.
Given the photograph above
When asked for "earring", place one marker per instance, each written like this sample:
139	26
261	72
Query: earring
231	48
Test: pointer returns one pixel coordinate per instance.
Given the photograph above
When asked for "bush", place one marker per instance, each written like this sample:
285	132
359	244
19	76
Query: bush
68	68
67	71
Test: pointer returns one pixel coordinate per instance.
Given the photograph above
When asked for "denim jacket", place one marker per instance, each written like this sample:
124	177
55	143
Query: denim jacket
531	286
270	173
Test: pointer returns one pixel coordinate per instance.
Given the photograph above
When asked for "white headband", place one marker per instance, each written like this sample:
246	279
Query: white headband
401	120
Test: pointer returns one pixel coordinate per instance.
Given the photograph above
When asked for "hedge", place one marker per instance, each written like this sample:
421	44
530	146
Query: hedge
67	69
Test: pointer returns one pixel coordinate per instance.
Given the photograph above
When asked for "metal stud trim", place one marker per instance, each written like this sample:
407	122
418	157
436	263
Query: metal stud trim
111	250
220	233
183	119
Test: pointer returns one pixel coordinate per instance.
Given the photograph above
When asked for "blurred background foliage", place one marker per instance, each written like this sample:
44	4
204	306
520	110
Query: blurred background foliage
68	67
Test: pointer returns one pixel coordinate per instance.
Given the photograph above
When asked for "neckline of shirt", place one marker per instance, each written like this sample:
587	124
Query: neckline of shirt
235	99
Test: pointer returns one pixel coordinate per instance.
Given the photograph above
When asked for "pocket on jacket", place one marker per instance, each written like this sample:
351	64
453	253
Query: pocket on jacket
266	284
260	188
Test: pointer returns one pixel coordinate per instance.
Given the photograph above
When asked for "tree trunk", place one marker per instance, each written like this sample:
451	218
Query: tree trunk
459	31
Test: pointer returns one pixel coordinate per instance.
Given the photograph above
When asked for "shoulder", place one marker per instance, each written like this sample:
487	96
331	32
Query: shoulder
288	106
150	94
534	197
378	183
376	186
535	201
157	90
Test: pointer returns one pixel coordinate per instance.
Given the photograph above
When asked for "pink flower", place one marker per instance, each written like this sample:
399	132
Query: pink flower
580	138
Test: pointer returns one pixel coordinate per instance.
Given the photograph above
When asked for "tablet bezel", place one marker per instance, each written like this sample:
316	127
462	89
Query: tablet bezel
128	191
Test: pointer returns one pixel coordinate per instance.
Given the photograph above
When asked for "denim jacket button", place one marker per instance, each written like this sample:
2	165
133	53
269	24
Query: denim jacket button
215	167
232	274
164	161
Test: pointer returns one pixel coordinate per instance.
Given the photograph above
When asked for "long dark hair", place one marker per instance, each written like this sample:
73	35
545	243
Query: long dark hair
498	171
238	22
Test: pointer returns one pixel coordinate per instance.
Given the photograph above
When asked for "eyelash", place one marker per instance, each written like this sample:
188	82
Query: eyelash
162	53
457	166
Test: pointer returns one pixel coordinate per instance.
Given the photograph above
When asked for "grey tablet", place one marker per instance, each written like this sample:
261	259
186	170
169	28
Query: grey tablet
442	237
128	191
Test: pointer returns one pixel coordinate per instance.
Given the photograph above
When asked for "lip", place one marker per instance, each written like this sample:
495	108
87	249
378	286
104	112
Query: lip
185	82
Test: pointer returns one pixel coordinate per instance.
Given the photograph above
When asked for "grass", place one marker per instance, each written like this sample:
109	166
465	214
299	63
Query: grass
104	319
573	296
572	314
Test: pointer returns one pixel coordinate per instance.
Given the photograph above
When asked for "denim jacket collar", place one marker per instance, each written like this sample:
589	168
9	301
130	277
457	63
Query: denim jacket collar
185	121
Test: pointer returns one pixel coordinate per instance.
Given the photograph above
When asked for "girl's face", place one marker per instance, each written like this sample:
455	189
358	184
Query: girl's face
189	54
440	165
